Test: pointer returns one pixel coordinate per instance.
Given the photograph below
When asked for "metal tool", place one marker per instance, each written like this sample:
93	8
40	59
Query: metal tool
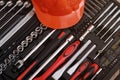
68	52
98	2
17	27
117	13
70	38
24	5
90	12
100	51
60	71
106	16
9	3
2	2
91	7
104	1
88	15
20	63
73	68
113	25
96	74
91	1
108	8
18	3
112	33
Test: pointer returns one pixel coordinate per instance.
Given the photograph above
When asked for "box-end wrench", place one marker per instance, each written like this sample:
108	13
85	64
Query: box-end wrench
73	68
100	51
108	8
20	63
60	71
98	25
115	15
69	39
24	6
118	20
112	34
18	3
2	2
9	3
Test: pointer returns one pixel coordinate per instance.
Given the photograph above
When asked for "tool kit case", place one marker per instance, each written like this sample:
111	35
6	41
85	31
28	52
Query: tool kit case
27	46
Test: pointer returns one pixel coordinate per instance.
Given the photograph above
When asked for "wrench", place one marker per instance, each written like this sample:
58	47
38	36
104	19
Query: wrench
106	16
87	14
25	4
108	8
9	3
118	12
86	8
118	20
20	63
18	3
60	72
74	67
112	34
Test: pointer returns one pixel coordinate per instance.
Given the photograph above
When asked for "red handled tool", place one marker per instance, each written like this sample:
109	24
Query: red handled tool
80	70
91	71
60	60
45	53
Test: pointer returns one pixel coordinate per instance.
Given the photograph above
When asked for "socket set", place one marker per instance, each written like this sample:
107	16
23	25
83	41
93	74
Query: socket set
90	50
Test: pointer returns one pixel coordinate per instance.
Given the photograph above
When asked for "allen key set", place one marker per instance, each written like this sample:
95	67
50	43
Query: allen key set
29	50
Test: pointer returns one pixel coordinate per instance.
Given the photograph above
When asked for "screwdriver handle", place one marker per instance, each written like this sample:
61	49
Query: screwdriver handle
91	71
61	59
80	70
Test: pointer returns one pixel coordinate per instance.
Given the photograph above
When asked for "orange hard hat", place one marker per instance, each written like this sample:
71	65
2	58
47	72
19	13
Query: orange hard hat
59	14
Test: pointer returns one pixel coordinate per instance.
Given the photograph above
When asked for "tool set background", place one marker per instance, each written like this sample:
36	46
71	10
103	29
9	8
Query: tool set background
90	50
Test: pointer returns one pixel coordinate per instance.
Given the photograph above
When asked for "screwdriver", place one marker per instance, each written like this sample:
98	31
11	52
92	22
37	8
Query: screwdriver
62	58
56	42
80	70
91	71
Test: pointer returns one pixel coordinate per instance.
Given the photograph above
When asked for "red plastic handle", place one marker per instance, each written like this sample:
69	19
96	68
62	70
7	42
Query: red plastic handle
61	59
26	71
80	70
91	71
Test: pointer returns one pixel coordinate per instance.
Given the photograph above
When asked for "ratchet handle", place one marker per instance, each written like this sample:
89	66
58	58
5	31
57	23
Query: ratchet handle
61	59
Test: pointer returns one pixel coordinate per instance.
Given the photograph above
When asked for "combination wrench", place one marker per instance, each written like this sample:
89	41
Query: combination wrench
24	6
18	3
20	63
9	3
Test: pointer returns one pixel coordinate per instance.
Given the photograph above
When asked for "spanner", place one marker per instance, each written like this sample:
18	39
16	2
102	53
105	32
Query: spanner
20	63
24	5
2	2
18	3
